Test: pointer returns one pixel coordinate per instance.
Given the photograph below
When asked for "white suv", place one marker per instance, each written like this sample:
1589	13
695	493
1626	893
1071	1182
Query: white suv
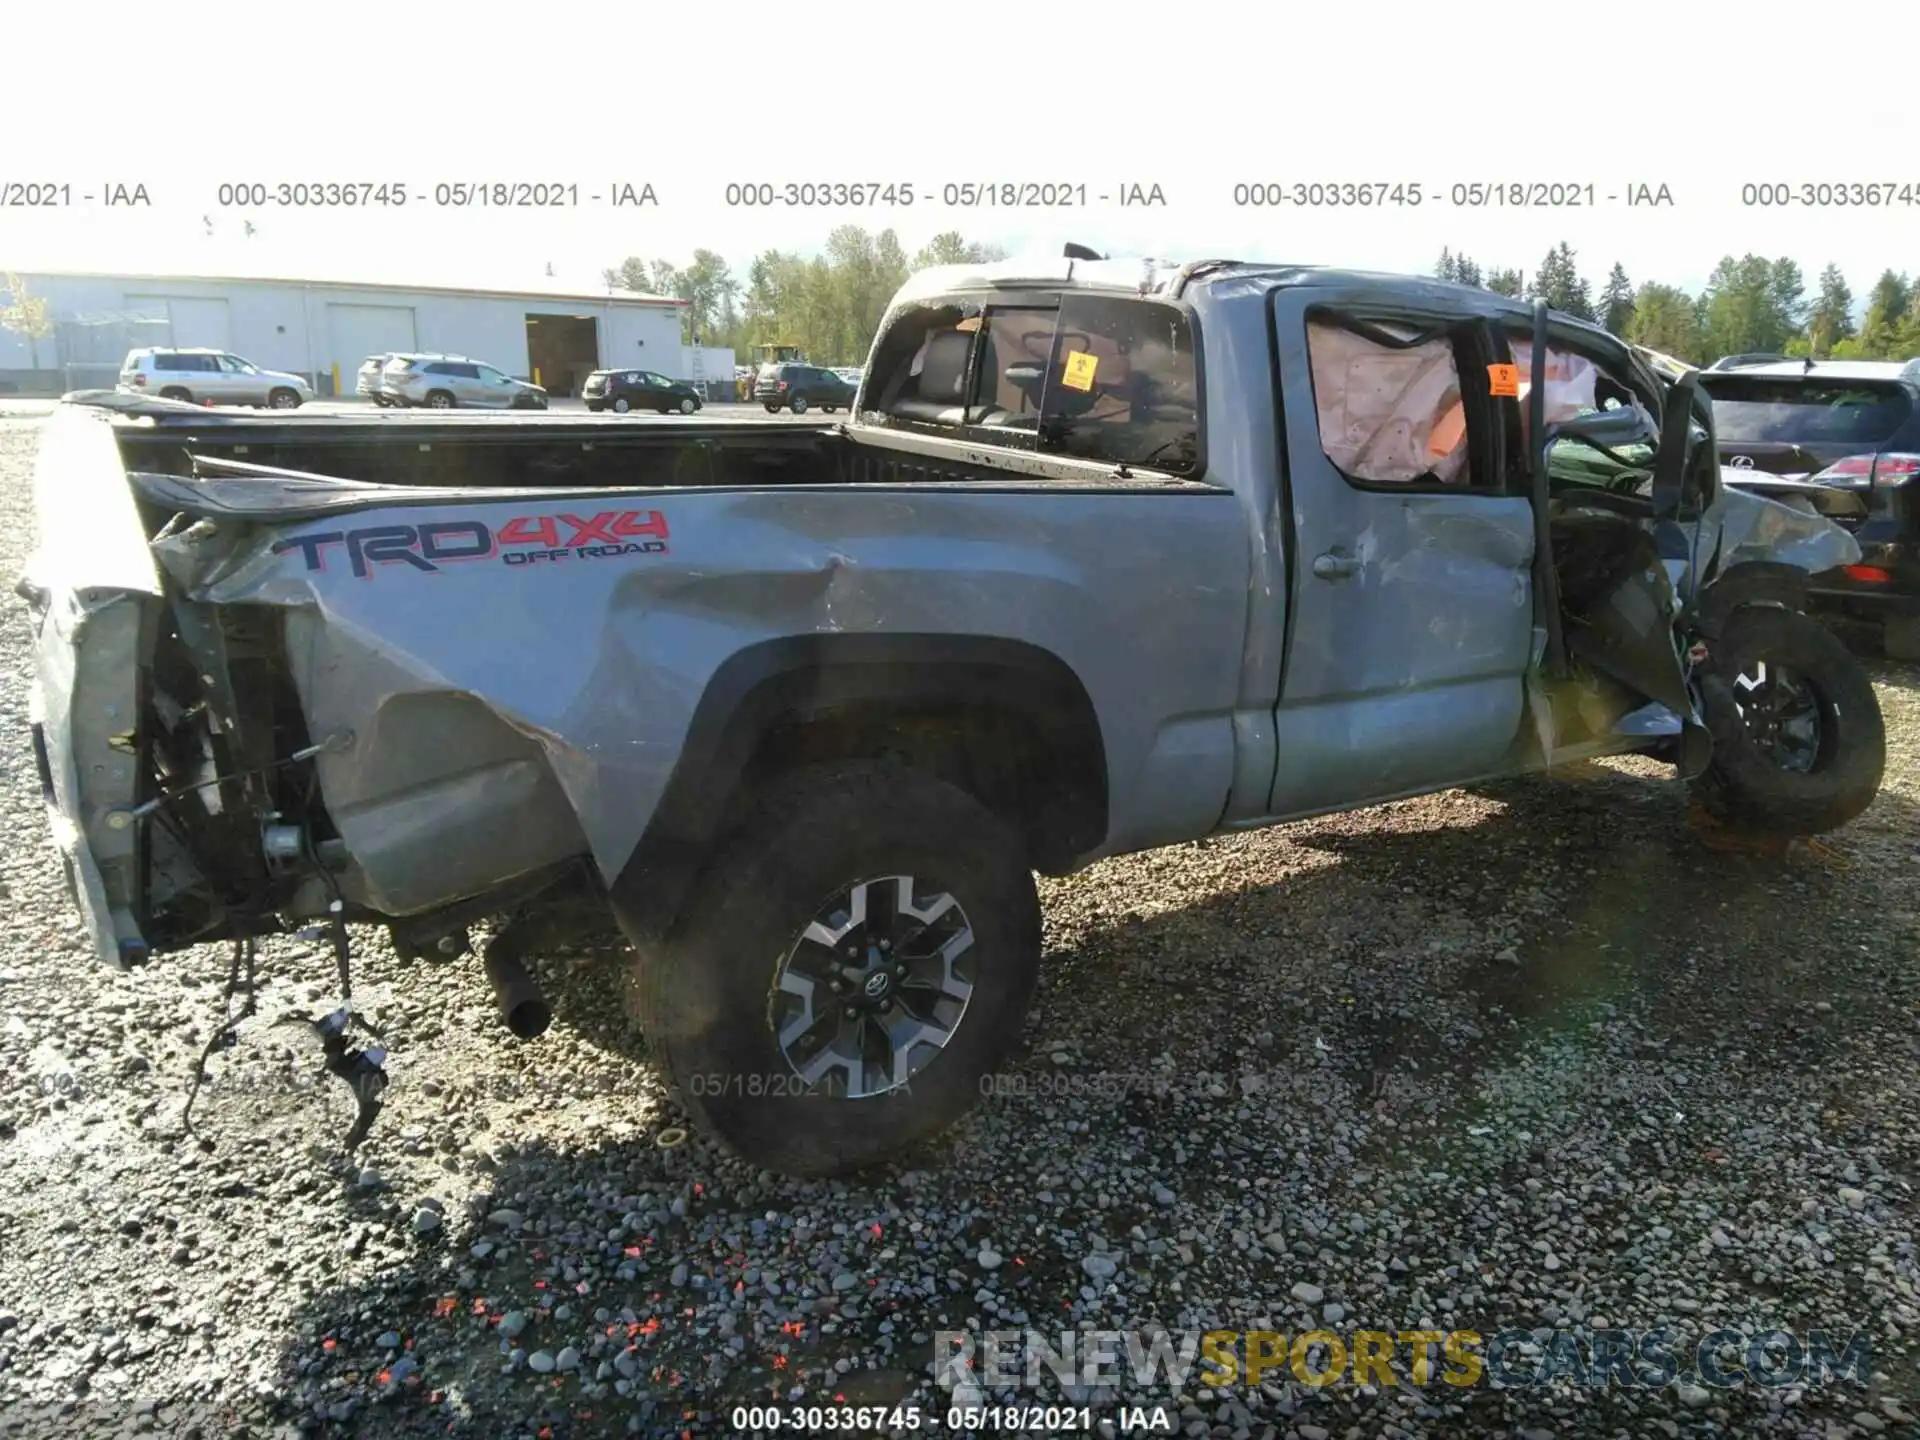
211	377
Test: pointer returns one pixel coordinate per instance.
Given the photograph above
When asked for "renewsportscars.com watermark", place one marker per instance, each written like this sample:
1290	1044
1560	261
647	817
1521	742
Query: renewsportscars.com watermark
1225	1360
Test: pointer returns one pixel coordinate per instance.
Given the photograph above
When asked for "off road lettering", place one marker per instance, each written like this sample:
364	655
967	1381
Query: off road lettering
522	540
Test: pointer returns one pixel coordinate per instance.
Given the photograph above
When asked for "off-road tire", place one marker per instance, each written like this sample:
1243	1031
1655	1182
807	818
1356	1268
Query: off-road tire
700	998
1900	637
1743	785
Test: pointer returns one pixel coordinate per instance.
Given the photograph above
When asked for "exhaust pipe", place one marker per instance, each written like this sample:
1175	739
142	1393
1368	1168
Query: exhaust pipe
522	1005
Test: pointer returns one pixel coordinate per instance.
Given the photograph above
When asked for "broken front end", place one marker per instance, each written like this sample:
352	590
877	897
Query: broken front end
1670	605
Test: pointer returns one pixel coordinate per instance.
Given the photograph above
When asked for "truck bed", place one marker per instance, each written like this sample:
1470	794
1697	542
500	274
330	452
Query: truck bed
483	451
464	651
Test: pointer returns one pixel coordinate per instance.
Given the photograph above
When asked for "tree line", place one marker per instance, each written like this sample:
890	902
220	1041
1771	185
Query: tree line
1751	306
830	304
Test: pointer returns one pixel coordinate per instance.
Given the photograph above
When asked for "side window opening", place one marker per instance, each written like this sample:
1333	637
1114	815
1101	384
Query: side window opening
1389	400
1576	384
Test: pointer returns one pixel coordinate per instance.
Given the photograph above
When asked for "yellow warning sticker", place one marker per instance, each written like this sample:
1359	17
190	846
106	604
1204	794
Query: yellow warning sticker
1079	371
1503	380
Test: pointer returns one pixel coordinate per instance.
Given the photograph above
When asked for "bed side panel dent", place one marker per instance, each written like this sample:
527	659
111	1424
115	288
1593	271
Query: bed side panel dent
597	655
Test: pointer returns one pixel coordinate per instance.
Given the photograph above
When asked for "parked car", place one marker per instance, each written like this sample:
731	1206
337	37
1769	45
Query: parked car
624	390
849	373
450	382
806	707
368	382
215	376
1843	438
796	387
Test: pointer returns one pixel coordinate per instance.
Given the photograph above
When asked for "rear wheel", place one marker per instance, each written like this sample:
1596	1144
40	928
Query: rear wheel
175	392
848	972
439	400
773	409
1799	743
622	405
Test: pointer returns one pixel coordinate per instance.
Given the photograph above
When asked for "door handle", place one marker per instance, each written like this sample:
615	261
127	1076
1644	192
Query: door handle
1332	566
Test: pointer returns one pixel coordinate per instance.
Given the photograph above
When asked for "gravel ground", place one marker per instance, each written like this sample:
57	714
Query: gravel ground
1524	1056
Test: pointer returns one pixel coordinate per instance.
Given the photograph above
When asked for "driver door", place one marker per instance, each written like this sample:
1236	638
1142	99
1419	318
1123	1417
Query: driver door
1411	622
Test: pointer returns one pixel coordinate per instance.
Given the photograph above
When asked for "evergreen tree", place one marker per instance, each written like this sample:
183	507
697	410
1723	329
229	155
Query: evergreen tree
1887	306
1832	319
1616	300
1558	282
1664	319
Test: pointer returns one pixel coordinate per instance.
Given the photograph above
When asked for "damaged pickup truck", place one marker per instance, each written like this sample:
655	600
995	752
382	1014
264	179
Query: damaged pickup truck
1110	556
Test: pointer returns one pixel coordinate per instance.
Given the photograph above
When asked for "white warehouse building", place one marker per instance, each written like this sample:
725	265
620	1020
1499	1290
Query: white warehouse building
323	329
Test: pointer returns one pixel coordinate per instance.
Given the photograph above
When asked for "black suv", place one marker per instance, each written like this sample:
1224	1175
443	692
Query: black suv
1841	436
795	387
625	390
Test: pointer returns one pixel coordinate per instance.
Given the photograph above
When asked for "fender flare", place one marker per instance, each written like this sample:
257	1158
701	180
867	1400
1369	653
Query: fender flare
798	677
1752	582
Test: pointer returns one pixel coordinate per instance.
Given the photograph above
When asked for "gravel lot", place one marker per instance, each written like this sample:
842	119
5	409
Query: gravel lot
1518	1057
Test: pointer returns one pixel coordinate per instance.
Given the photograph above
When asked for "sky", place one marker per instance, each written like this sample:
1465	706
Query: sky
1200	101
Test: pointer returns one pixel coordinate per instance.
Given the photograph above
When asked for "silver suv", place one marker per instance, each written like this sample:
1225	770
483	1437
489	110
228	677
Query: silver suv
211	377
447	382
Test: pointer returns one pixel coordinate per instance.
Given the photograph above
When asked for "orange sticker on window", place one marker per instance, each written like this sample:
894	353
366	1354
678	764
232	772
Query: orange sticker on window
1503	381
1079	372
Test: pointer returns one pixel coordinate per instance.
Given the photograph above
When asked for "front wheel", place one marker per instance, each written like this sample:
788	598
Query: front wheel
848	973
284	399
1799	742
688	405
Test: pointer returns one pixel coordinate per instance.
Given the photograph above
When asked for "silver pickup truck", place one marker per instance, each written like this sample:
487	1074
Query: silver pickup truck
1111	555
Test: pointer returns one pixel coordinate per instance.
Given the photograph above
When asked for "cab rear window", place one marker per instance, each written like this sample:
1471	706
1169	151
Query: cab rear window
1122	384
1108	378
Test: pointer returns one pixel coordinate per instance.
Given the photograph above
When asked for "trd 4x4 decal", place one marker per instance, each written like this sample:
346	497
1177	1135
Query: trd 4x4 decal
523	540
